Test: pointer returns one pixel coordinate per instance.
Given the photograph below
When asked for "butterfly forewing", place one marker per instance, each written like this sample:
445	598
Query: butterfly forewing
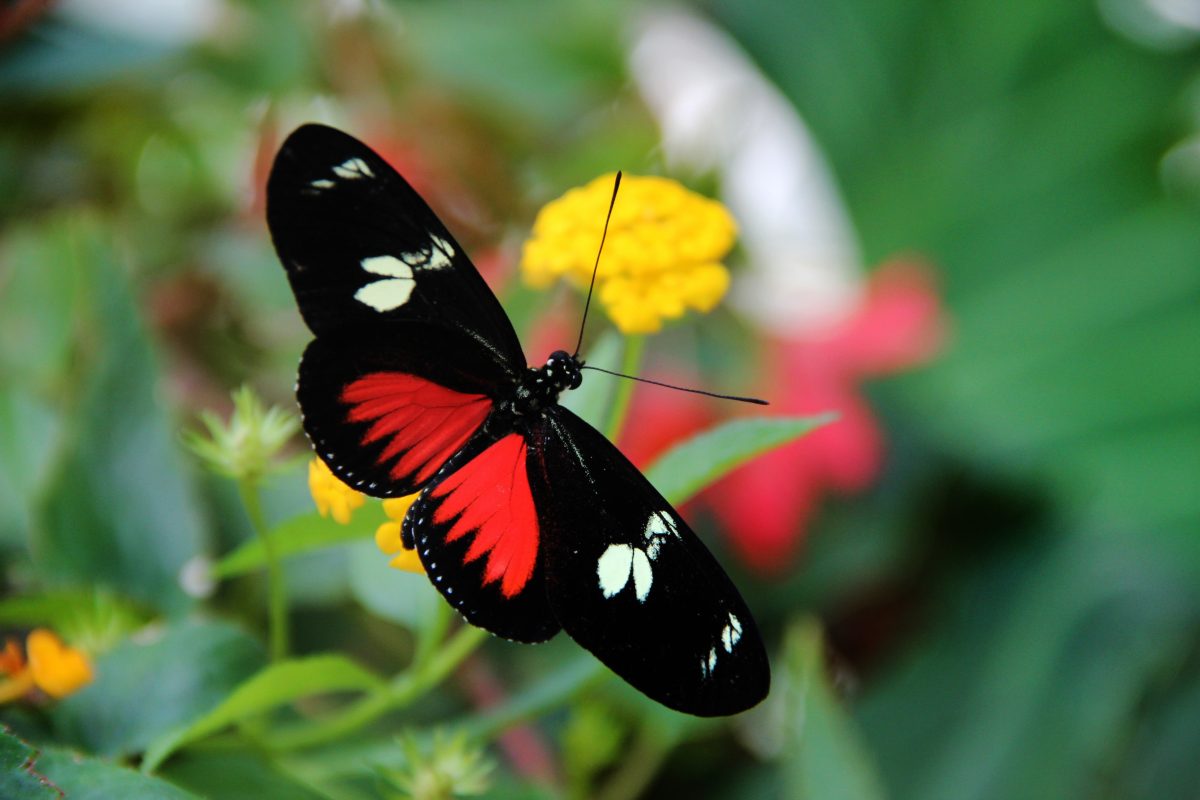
385	418
363	251
629	580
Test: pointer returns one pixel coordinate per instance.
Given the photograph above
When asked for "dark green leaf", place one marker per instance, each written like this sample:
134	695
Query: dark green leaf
154	683
234	773
20	775
824	756
84	778
276	685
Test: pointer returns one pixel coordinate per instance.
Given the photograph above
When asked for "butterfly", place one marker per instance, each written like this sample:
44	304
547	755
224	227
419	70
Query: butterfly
528	521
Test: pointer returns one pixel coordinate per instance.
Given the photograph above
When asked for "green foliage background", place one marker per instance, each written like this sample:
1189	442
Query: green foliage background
1012	613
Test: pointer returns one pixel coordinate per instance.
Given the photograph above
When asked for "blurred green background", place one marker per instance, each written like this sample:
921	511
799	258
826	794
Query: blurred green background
1012	611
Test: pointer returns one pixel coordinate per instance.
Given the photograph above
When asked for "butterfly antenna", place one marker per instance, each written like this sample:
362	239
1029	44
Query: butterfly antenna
596	266
753	400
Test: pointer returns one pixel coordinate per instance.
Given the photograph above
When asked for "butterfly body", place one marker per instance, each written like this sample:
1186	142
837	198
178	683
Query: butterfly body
528	521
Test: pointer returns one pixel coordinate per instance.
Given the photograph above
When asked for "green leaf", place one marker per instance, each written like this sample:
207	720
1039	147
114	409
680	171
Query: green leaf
118	510
234	773
824	756
83	778
303	534
274	686
593	397
29	429
20	775
94	620
692	465
1033	673
545	693
154	683
405	598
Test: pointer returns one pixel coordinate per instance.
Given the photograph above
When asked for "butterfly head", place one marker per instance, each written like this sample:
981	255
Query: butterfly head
563	370
541	387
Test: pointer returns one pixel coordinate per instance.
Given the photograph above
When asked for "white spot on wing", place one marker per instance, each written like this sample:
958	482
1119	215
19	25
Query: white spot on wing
731	634
390	266
659	525
322	183
613	568
618	564
643	575
436	257
353	169
388	294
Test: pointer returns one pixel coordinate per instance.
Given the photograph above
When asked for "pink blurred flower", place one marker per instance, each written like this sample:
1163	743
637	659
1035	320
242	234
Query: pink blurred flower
765	506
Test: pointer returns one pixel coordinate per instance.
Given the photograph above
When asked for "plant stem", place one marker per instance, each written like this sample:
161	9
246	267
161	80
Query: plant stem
403	690
638	768
631	360
276	590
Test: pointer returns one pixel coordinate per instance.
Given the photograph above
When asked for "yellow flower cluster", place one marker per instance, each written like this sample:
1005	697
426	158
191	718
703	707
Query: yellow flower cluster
55	668
331	495
337	499
662	255
387	537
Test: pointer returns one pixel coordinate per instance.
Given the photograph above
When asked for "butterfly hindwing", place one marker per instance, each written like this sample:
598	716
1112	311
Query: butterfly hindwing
476	530
364	252
630	581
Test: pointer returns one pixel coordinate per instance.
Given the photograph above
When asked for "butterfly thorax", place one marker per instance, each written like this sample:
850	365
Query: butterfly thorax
540	387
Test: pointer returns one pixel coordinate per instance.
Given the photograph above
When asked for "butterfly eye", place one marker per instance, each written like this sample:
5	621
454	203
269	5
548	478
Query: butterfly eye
576	379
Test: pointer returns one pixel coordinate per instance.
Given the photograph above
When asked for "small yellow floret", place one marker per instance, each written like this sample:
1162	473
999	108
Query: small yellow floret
333	498
387	537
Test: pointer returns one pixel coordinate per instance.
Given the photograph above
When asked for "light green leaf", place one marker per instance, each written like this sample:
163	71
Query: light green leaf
303	534
402	597
824	756
591	400
691	466
276	685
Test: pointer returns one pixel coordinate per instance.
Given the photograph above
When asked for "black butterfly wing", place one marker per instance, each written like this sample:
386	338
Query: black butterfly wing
412	357
385	414
364	253
413	350
476	529
629	581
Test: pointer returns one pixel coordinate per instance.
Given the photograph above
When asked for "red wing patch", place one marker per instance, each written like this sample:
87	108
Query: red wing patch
423	423
489	496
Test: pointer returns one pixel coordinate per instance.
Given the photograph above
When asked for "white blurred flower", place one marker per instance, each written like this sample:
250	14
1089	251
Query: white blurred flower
718	112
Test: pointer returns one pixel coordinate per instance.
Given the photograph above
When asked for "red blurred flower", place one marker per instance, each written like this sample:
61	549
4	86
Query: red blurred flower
659	418
765	505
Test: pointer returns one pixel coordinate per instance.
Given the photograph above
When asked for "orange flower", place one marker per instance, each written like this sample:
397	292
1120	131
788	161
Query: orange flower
53	667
